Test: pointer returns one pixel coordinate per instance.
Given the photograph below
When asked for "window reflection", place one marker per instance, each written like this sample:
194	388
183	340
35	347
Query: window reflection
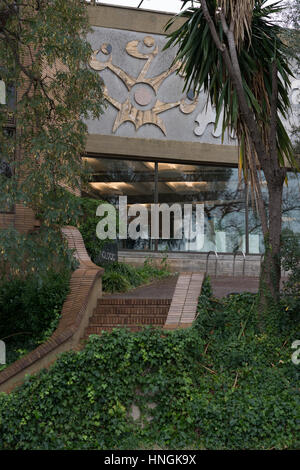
223	198
216	187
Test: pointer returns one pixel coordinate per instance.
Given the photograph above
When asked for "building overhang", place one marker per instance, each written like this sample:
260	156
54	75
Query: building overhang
166	150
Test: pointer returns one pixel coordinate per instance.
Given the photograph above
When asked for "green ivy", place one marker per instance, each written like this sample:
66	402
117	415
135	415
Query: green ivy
222	384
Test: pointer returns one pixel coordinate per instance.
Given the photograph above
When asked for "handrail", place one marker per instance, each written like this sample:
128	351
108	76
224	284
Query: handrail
216	264
244	262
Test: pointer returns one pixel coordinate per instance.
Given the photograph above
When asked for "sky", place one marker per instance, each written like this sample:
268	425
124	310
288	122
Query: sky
172	6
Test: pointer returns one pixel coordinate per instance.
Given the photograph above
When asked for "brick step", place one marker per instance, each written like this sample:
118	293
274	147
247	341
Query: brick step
117	301
97	330
133	310
127	320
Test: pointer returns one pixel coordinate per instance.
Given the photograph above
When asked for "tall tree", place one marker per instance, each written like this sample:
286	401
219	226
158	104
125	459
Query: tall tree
235	53
44	54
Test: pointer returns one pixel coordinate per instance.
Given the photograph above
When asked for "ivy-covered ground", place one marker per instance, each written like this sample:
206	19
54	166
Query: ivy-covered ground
226	383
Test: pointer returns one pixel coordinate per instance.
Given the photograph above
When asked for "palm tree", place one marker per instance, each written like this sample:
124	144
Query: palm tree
235	52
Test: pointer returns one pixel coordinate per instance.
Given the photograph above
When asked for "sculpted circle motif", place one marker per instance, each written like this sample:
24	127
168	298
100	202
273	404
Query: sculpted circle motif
143	96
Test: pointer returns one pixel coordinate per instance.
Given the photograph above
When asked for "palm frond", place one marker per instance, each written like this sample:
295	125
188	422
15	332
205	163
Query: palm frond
239	14
203	67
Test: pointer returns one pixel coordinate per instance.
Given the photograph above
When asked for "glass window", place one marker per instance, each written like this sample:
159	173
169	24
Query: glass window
135	179
172	6
291	206
256	237
218	189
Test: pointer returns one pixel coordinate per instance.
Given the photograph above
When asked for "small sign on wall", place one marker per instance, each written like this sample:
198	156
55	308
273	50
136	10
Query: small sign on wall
108	254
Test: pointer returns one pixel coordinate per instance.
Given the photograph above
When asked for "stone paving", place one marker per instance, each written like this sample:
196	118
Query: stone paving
223	286
161	289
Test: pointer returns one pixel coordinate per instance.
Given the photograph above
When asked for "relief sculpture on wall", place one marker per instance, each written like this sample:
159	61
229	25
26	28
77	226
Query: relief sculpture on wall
145	89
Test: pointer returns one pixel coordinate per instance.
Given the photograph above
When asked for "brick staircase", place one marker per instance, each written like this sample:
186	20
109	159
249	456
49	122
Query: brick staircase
133	313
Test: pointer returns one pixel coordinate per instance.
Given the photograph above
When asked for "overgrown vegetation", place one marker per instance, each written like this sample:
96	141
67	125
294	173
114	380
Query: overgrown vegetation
30	310
221	384
34	283
87	226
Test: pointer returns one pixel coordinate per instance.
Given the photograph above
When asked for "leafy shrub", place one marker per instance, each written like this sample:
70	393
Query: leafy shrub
28	305
30	309
120	277
35	273
206	289
133	275
151	270
87	226
115	282
82	402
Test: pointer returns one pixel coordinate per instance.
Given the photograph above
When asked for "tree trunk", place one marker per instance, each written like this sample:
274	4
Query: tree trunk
271	267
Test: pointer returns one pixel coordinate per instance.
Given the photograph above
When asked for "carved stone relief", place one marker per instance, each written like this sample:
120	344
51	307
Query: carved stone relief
144	88
208	116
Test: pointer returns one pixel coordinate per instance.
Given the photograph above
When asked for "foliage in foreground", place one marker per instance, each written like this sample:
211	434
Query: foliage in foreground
35	271
220	385
30	310
88	221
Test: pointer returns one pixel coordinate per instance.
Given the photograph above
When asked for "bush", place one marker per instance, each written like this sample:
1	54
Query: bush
87	226
130	273
120	277
114	282
30	309
35	271
28	305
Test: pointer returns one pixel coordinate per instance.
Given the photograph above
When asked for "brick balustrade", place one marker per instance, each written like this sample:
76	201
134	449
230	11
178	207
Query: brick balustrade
185	300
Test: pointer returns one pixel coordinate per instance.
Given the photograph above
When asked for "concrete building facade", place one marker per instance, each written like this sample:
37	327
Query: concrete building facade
158	143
